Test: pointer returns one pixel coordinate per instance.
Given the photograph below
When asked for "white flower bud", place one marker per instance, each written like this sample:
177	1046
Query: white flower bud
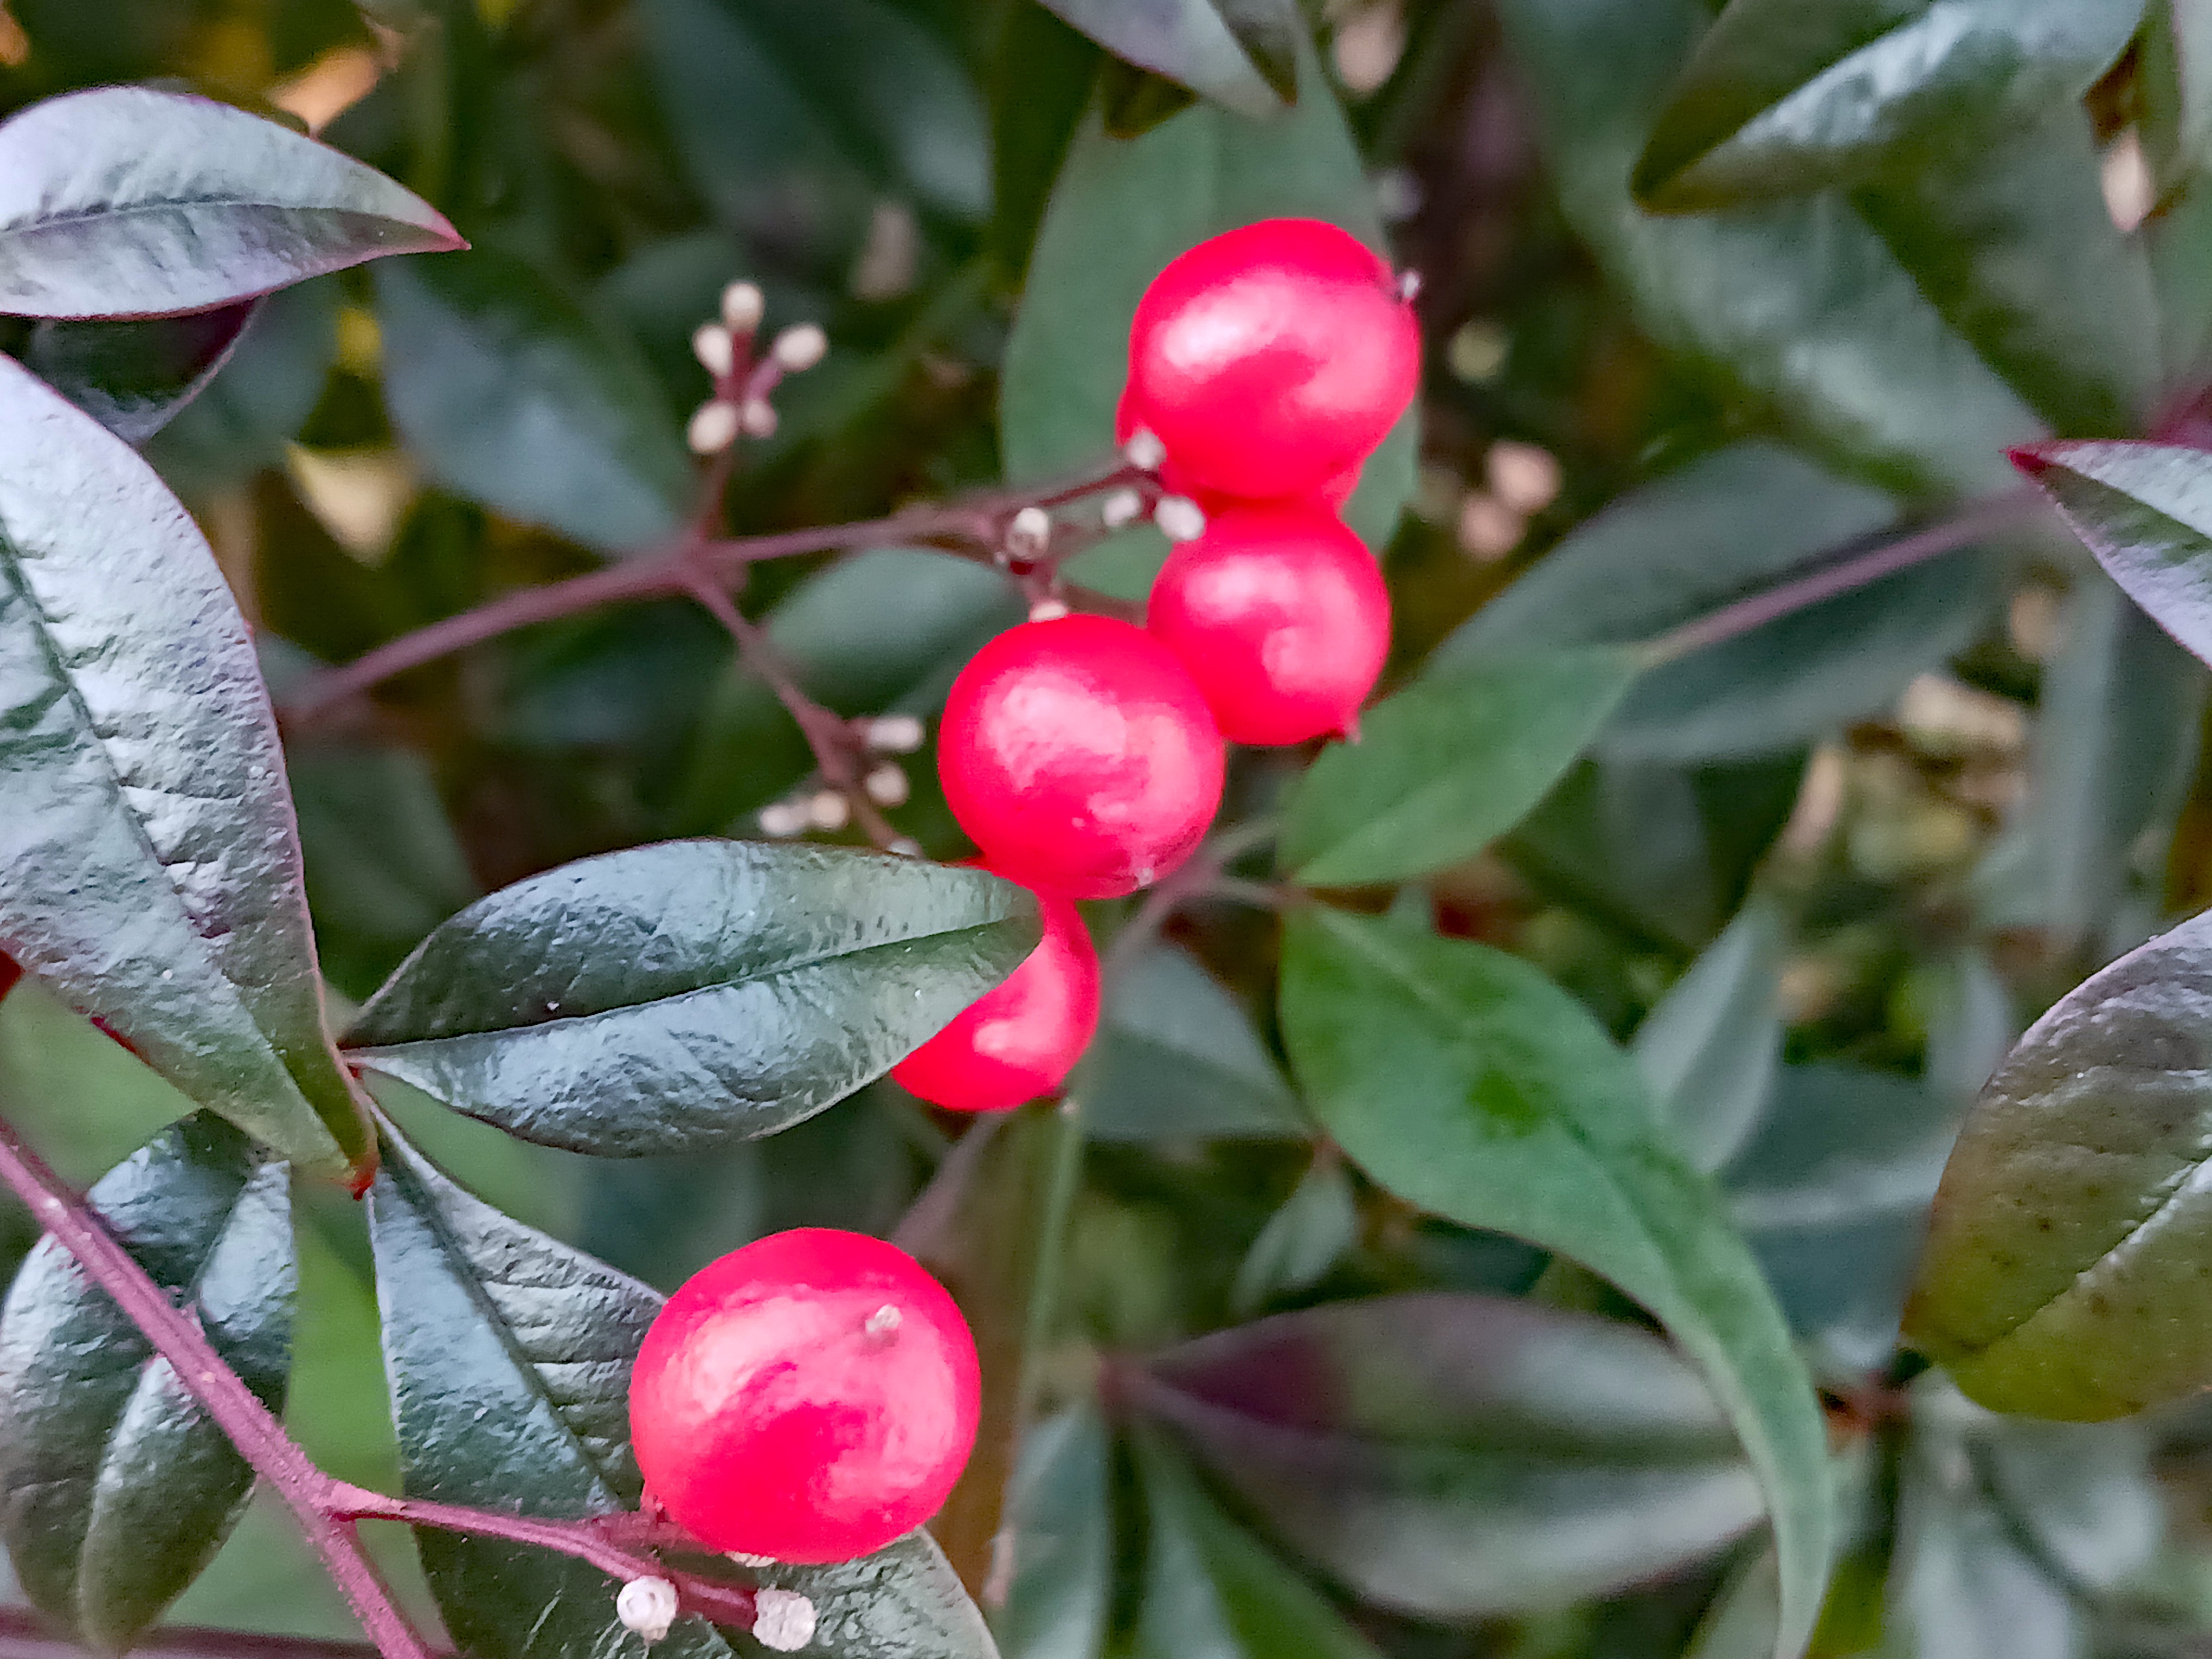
742	307
800	347
887	785
783	1620
896	734
648	1607
714	428
1048	610
1144	450
1180	519
1029	533
1409	286
784	819
716	351
1123	507
758	418
829	810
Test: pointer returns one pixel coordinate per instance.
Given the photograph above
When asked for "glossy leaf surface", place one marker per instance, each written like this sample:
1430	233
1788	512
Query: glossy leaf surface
674	996
134	378
1446	766
2063	1274
1060	1510
1464	1082
1241	52
513	395
1176	1055
155	869
118	1487
1317	1224
1710	1047
127	202
1460	1456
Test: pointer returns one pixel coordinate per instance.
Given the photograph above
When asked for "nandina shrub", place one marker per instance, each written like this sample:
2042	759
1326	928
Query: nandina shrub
919	830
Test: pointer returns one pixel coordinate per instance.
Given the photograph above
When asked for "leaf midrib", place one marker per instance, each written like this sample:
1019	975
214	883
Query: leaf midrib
45	223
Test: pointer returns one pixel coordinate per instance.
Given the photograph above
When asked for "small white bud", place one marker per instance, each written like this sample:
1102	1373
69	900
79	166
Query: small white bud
886	784
714	428
1144	450
828	810
784	819
1409	286
896	734
745	1561
648	1607
1180	519
1048	610
716	351
782	1620
800	347
758	418
885	1320
1029	533
742	307
1123	507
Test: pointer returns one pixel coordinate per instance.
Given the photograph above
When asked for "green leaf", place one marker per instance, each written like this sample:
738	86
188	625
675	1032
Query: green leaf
1302	1241
260	397
1443	768
153	872
510	393
2145	510
2063	1273
1464	1082
1961	1586
1042	76
134	378
1454	1456
1060	1513
124	202
1176	1057
499	1405
1783	99
1802	304
119	1487
1709	1048
669	998
1727	525
1121	210
1212	1591
2173	89
1243	53
770	97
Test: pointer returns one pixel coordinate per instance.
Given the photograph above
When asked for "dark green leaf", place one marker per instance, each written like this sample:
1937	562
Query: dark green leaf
1243	53
676	996
134	378
510	393
2173	89
119	1487
2063	1275
2145	510
1468	1084
259	398
1212	1591
125	202
1710	1047
1041	76
1842	1142
1960	1586
1302	1241
1783	98
1461	1456
1726	526
1121	210
500	1406
1801	303
72	1091
1443	768
153	873
1176	1057
1060	1510
770	97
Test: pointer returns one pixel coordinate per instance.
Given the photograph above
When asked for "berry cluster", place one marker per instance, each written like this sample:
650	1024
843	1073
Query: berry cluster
1085	756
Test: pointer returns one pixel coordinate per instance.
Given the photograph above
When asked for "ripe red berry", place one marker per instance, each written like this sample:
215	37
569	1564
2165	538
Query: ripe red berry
1270	359
1080	757
810	1397
1337	490
1281	617
1021	1038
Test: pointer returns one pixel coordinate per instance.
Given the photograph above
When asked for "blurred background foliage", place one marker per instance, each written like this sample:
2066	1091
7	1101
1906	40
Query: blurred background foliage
1946	797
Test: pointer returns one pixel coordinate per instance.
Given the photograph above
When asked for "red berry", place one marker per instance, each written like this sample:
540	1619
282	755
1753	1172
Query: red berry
1281	617
1270	359
1080	757
1021	1038
1339	489
810	1397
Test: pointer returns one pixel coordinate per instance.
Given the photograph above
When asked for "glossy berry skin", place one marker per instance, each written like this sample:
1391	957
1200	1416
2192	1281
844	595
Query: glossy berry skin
1335	491
1272	358
1021	1038
1080	757
1282	618
809	1398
